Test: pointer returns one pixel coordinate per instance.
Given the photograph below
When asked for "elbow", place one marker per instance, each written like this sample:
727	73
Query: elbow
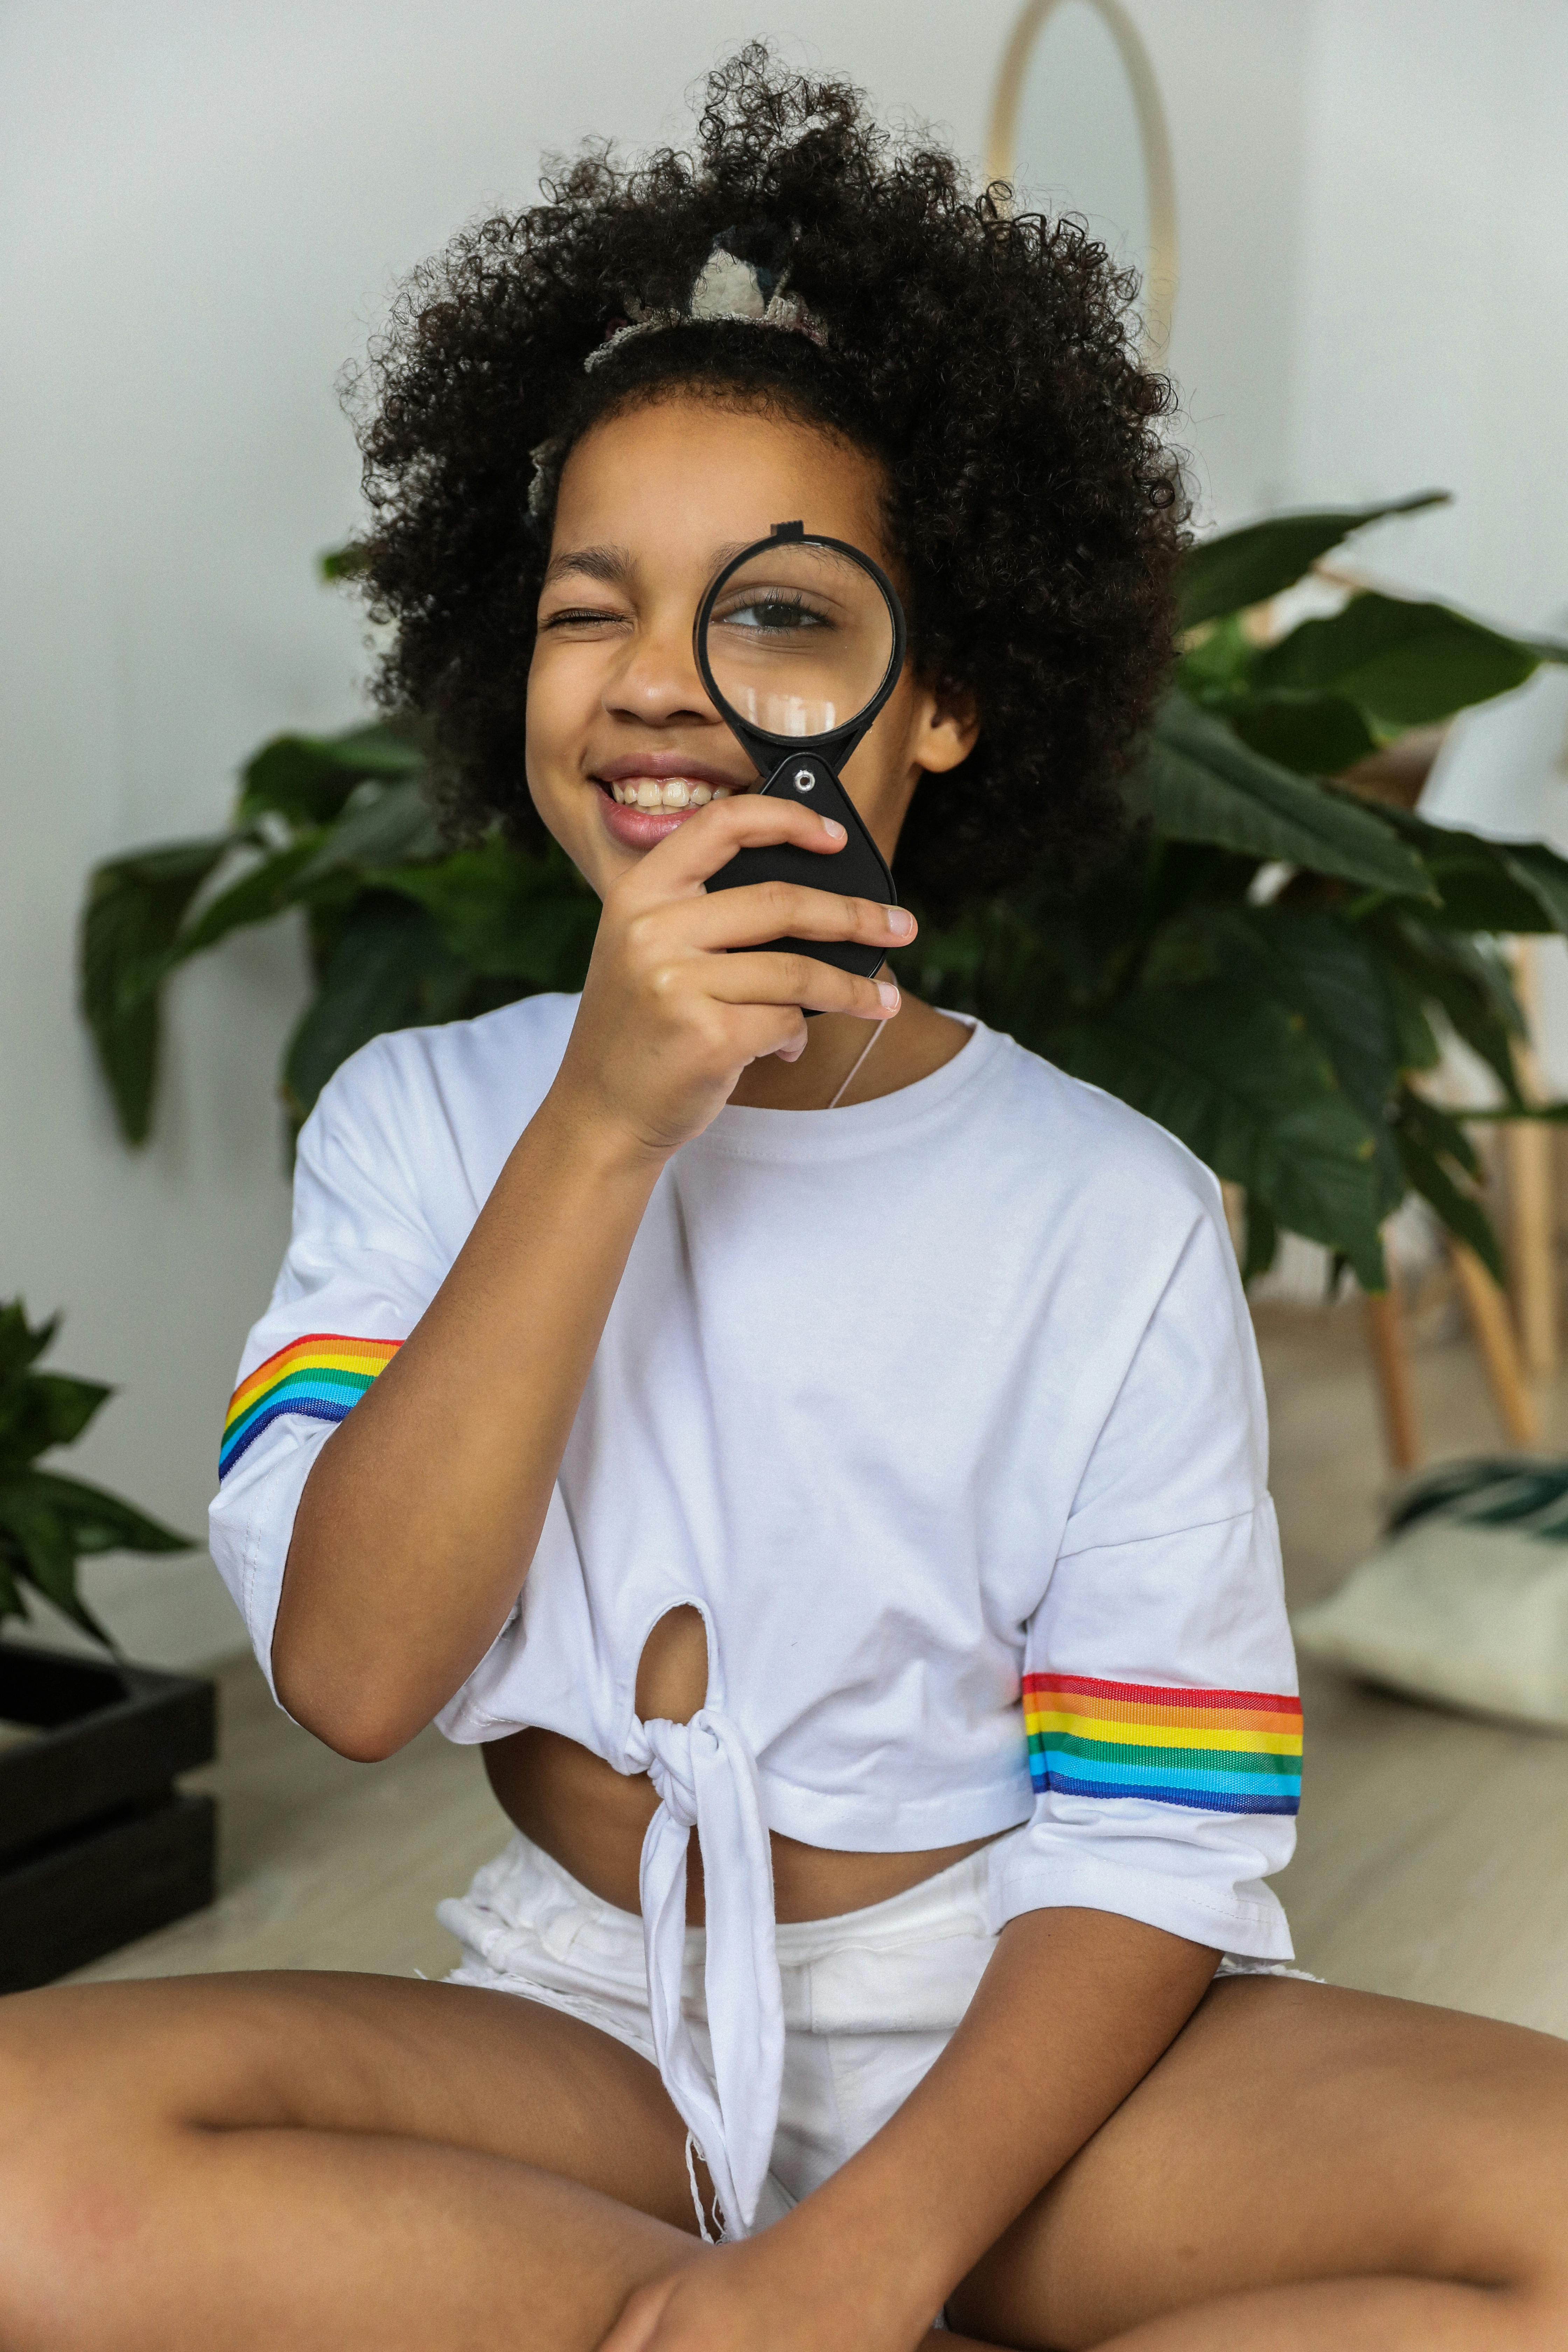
367	1741
361	1723
335	1682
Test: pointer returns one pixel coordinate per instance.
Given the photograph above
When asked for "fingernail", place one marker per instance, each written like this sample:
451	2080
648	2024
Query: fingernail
901	921
889	994
831	826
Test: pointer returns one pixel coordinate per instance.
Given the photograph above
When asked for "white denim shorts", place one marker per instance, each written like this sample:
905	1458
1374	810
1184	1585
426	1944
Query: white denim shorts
871	1998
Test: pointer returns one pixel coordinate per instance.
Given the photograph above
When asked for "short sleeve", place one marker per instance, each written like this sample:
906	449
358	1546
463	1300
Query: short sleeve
361	1269
1160	1685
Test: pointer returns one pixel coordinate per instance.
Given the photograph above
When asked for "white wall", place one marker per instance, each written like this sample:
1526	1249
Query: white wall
1234	77
1432	350
1433	334
202	209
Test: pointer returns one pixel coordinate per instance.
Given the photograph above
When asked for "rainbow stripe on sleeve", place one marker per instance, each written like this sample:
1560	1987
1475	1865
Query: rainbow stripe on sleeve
323	1375
1215	1750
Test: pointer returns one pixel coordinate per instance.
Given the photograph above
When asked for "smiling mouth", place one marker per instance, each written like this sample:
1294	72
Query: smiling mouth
665	796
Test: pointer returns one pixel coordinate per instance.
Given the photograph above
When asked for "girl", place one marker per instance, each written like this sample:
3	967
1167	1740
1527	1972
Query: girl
840	1438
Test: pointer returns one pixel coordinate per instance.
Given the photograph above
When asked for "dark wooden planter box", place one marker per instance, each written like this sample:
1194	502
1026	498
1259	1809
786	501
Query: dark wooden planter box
97	1845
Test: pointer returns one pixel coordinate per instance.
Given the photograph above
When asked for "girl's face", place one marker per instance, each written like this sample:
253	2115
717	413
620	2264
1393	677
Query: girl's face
651	504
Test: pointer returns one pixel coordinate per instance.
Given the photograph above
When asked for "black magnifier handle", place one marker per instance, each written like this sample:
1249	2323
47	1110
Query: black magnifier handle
812	646
859	869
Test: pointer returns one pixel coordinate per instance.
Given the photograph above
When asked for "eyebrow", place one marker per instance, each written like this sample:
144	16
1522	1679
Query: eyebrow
612	565
615	567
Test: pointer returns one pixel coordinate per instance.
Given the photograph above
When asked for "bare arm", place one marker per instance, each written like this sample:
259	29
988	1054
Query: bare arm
420	1519
1073	2010
422	1513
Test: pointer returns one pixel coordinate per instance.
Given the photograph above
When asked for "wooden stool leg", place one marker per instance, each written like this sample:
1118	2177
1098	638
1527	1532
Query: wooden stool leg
1488	1310
1531	1264
1533	1269
1396	1388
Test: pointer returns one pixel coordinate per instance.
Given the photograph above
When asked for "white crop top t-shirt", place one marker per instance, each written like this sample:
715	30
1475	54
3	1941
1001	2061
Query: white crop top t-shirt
942	1409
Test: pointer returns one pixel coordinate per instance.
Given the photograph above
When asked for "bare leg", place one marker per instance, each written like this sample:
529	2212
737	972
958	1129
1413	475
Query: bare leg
325	2163
1306	2166
323	2160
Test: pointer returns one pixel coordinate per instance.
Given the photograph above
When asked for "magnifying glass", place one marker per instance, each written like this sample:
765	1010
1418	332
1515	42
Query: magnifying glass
800	641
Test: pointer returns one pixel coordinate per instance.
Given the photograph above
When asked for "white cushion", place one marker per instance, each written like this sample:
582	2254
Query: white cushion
1474	1615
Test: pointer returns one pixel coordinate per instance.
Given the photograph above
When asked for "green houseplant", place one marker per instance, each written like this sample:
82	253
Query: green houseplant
1267	971
97	1845
48	1522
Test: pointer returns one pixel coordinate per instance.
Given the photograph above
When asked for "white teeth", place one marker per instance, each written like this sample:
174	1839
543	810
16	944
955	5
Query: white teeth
657	792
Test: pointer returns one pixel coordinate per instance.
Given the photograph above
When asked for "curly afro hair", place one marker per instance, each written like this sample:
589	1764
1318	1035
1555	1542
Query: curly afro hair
984	358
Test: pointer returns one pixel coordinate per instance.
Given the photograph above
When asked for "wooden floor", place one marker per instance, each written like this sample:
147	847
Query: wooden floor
1433	1851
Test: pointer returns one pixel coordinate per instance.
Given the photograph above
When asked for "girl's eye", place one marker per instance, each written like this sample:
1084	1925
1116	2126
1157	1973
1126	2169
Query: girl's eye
581	616
777	615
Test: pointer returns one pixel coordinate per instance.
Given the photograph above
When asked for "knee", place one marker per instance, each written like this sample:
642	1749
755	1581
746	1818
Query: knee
1535	2237
71	2222
69	2188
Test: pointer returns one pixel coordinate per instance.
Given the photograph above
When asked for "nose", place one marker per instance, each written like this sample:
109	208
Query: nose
656	681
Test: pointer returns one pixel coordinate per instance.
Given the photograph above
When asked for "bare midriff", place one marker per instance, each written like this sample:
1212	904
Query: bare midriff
592	1820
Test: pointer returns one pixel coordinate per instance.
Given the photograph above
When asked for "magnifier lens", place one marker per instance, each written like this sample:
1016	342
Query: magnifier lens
799	639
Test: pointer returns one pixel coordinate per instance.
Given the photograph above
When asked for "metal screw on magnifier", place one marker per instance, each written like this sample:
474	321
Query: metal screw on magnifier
805	782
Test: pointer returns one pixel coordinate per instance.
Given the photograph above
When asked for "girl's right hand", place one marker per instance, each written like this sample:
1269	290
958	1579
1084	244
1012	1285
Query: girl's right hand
670	1016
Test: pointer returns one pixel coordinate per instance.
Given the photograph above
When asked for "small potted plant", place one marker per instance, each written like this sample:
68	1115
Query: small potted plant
97	1845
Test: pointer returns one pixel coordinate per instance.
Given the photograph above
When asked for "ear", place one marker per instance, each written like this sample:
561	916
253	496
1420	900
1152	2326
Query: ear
946	729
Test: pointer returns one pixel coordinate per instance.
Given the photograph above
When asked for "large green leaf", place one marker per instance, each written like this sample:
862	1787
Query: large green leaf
1418	1047
98	1521
1433	1147
1490	886
1198	783
1244	1086
1261	1241
308	778
41	1410
1321	970
1497	886
1311	734
47	1521
508	915
1439	1132
396	826
1217	669
390	968
1543	873
42	1550
1237	568
135	908
1465	979
257	896
995	963
1404	663
21	1342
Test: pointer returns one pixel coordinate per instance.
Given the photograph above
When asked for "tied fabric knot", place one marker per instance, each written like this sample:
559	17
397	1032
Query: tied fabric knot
705	1778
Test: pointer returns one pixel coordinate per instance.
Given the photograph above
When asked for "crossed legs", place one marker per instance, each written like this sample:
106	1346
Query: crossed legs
212	2165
